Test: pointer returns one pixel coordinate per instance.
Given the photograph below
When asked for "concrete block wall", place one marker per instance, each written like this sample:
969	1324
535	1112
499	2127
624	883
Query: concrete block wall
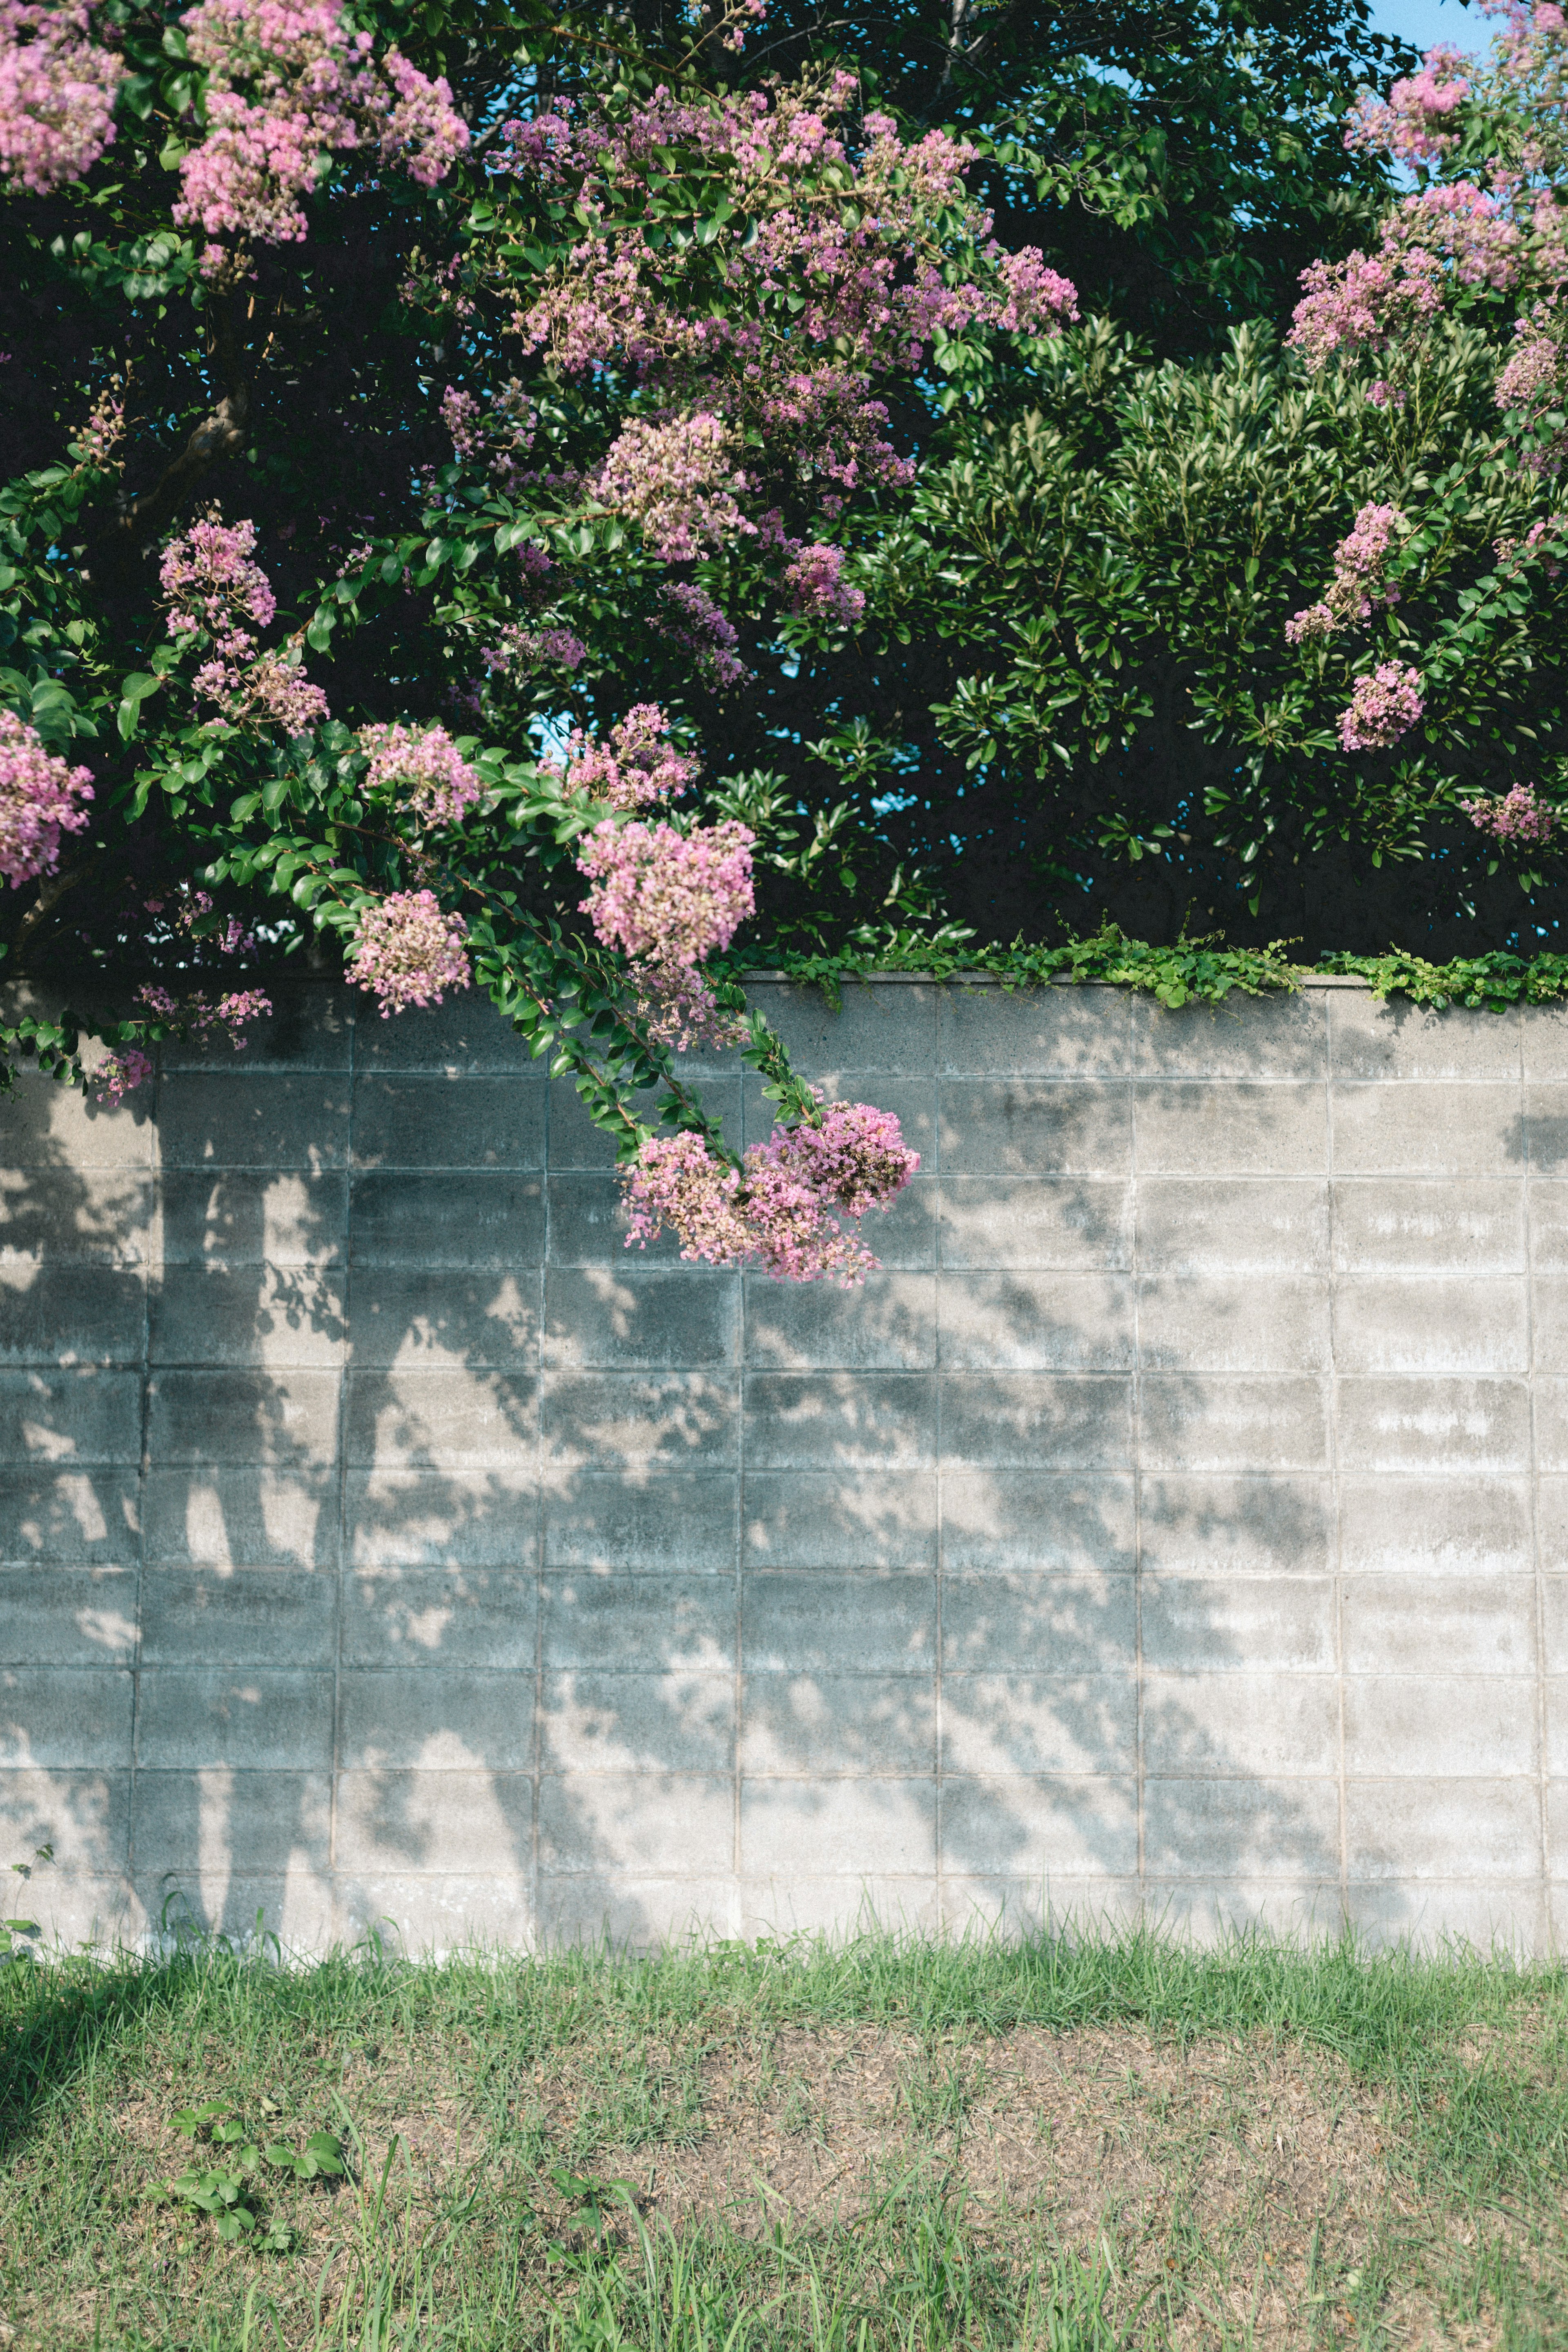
1176	1528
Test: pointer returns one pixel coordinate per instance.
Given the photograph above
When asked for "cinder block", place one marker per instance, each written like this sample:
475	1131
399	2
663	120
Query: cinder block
1294	1908
75	1719
425	1517
849	1419
1446	1423
259	1315
1431	1224
288	1418
1439	1727
670	1722
210	1120
1058	1224
1039	1828
635	1319
311	1026
1255	1037
663	1521
253	1718
1400	1041
231	1217
221	1823
245	1617
1544	1039
1041	1032
1436	1527
421	1122
442	1718
1420	1129
1549	1395
1233	1323
887	1324
1542	1134
1001	1520
1549	1301
634	1914
1556	1721
476	1823
838	1828
602	1421
587	1220
93	1216
1190	1126
84	1816
67	1617
1094	1910
575	1142
813	1622
431	1914
1432	1917
658	1824
1263	1829
241	1517
1422	1828
839	1519
1251	1624
995	1726
62	1314
1222	1225
880	1902
819	1726
1557	1838
52	1127
295	1908
417	1617
463	1037
417	1217
1193	1422
1037	1322
879	1026
1236	1727
76	1416
88	1517
1421	1625
1244	1527
446	1419
420	1318
1431	1323
1042	1420
1073	1622
1036	1126
639	1624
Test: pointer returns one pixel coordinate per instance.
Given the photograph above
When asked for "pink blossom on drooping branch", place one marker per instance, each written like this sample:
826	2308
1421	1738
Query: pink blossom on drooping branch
424	769
498	437
689	618
58	88
1463	225
200	1016
119	1074
667	897
1521	817
40	798
210	584
1414	123
676	477
406	951
1358	304
817	585
1383	706
1354	590
314	90
533	648
635	765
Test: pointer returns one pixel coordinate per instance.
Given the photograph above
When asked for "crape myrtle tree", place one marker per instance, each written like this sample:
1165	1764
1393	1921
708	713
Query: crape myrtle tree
382	383
1277	638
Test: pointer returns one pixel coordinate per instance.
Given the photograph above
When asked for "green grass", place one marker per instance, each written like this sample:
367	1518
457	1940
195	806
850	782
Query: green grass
507	2125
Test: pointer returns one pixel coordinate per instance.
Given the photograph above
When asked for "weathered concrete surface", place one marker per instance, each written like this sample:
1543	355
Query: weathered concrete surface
1177	1528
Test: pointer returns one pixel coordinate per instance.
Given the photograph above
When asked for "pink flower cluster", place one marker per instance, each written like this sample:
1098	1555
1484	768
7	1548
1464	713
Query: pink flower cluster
57	88
423	768
40	798
1355	587
498	437
1414	122
1383	706
533	649
1521	817
315	89
271	692
667	897
638	764
676	477
119	1074
1530	378
815	581
199	1014
103	432
1359	303
211	585
408	951
782	1210
691	619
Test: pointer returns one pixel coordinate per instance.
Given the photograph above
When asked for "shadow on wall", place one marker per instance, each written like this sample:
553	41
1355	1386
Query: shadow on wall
382	1543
